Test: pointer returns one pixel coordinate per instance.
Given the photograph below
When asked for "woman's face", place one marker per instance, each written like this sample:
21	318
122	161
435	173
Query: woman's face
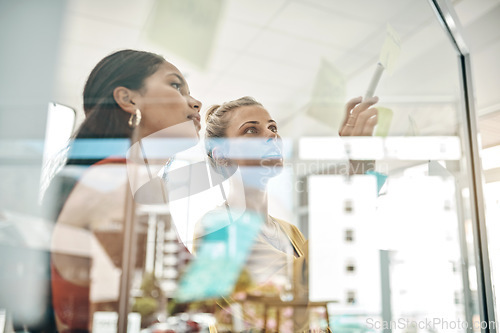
254	137
165	101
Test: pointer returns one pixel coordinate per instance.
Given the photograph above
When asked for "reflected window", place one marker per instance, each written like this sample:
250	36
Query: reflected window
349	236
60	124
457	297
351	297
348	207
303	194
304	223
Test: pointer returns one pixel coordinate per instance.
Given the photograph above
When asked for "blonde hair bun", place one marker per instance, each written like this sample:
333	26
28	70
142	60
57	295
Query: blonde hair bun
210	111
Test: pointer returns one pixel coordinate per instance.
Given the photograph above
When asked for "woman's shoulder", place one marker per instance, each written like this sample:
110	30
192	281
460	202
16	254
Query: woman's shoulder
288	227
91	193
296	237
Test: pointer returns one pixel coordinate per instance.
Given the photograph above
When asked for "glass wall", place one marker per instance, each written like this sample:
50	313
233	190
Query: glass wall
301	207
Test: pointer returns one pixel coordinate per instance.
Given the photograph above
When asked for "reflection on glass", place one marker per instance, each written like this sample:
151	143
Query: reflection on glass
154	226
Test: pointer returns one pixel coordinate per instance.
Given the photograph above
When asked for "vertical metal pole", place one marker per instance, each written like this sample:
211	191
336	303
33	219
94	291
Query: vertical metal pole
464	268
127	261
151	244
448	19
485	287
385	287
435	169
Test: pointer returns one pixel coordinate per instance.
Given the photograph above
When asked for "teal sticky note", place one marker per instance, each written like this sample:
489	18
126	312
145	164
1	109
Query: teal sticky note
220	258
381	178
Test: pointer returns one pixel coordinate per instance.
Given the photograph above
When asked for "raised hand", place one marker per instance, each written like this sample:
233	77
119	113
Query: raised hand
360	117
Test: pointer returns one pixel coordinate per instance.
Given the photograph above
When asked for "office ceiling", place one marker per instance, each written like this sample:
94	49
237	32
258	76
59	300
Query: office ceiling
273	51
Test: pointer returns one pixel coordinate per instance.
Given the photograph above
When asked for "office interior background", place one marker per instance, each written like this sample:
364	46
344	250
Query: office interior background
416	240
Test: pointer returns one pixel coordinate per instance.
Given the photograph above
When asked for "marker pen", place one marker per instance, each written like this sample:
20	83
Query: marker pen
374	81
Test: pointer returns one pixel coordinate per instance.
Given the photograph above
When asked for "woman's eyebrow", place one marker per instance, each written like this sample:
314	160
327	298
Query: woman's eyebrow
178	76
249	122
183	82
256	122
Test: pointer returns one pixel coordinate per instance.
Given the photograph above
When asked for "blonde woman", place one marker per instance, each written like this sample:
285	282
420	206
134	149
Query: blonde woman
241	134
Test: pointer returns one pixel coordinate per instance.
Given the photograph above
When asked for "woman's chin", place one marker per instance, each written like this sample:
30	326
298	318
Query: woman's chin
272	162
273	166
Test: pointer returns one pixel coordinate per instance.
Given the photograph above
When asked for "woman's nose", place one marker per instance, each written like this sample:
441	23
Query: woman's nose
272	135
194	103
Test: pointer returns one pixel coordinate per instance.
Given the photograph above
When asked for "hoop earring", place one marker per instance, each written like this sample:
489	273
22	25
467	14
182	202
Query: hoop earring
135	119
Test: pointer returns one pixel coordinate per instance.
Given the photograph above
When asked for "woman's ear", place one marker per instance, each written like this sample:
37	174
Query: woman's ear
124	98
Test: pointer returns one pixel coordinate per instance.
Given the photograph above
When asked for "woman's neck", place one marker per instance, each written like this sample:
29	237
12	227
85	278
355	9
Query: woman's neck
253	186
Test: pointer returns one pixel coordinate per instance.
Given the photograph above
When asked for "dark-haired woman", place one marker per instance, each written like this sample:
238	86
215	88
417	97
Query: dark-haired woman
129	96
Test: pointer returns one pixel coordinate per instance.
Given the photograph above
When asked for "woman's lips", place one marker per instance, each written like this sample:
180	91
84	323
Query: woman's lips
273	151
196	120
274	154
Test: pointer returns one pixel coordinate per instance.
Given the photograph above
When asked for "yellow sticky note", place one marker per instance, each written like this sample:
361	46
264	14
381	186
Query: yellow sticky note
390	50
328	96
186	27
384	121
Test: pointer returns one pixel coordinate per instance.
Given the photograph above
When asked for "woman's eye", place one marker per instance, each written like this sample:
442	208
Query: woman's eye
176	85
274	129
251	130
